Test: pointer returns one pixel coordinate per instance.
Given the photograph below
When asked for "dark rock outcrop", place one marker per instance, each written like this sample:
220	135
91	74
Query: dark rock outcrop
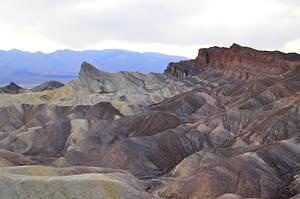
51	85
12	88
237	61
181	69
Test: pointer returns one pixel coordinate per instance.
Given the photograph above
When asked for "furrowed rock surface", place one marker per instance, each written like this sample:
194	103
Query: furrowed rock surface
199	131
73	182
129	92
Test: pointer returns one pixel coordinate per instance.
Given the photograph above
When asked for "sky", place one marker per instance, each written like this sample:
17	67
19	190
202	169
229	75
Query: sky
178	27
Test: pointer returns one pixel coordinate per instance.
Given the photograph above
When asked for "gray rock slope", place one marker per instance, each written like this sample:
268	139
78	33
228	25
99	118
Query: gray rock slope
204	136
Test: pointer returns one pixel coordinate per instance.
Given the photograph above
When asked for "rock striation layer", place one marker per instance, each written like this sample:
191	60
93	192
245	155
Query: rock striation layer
207	133
236	61
73	182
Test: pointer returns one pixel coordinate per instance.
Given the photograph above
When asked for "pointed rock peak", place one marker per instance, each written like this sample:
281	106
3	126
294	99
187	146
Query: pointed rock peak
14	85
11	88
88	70
236	46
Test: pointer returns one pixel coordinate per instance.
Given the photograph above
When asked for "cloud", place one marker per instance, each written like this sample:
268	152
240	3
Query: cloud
159	25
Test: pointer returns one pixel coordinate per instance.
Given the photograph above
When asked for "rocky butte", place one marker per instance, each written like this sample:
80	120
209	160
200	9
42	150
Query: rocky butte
225	125
241	62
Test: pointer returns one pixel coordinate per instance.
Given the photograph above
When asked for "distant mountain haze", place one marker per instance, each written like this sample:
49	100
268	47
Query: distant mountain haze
27	68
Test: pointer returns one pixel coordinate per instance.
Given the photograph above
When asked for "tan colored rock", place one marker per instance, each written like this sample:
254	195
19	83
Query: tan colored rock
45	182
229	196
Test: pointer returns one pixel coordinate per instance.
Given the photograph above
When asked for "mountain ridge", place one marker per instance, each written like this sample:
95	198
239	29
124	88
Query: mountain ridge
63	64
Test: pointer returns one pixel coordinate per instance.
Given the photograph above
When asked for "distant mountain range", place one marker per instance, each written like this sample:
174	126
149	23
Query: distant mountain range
63	65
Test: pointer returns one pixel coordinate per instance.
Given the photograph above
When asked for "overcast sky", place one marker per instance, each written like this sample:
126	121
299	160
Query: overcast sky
169	26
